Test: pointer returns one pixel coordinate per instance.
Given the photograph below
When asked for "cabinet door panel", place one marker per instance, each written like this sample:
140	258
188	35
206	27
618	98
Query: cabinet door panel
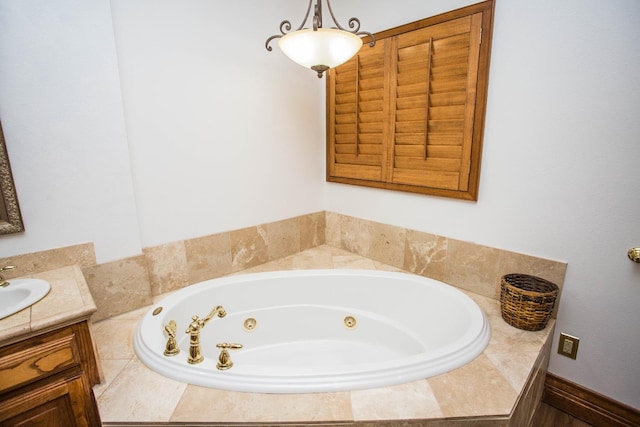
43	358
46	380
65	402
55	413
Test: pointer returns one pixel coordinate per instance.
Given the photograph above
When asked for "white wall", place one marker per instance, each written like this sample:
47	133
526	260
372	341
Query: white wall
62	116
561	149
222	133
178	104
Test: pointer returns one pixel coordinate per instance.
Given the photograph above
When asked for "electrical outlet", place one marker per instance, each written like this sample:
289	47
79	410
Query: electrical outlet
568	345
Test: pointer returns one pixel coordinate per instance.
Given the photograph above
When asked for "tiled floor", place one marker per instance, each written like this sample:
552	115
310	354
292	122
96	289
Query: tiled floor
131	393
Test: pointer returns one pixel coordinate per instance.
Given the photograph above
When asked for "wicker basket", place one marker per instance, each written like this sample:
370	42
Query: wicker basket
526	302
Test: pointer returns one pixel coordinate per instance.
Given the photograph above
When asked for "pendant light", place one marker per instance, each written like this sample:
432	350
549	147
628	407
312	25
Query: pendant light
320	48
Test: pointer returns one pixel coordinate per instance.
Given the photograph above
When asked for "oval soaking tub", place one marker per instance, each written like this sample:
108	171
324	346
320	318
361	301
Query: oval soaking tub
315	331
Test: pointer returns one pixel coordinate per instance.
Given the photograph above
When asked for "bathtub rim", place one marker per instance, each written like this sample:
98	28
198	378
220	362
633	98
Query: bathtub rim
448	358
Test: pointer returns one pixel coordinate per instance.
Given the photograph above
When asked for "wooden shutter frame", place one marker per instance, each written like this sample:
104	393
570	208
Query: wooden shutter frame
481	91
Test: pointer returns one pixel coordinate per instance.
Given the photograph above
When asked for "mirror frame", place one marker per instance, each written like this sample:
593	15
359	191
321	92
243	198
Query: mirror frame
10	217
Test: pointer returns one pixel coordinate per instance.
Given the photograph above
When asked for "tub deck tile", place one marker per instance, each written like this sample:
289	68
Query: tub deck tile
114	337
318	257
353	261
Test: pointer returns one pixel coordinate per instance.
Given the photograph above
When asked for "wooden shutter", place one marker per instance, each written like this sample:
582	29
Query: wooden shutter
359	103
435	73
408	114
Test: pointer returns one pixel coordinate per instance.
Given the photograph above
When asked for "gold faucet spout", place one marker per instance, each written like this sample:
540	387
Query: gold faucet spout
218	311
195	353
3	282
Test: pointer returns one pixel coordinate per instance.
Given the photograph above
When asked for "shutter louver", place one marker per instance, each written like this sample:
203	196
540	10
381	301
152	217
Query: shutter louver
434	76
358	136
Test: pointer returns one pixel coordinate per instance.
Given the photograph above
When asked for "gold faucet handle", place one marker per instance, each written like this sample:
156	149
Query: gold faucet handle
7	267
171	348
224	360
226	345
171	328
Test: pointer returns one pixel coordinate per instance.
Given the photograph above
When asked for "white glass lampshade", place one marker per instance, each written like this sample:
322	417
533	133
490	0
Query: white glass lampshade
326	47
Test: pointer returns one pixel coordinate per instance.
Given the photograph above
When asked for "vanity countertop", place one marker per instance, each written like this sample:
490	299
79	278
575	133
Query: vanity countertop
68	301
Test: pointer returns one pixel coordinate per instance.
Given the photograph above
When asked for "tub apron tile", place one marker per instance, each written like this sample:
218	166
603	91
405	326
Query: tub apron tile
476	389
138	394
414	400
201	404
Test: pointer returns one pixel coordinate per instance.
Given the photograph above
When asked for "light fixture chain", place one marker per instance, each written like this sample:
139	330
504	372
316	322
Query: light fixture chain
317	16
304	20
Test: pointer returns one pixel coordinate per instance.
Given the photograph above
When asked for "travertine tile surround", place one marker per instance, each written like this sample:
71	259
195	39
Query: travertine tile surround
124	285
486	390
39	262
499	388
466	265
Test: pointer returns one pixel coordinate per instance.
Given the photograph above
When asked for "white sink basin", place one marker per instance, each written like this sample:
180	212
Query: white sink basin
20	294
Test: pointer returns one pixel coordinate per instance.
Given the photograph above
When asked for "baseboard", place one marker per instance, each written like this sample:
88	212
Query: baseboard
587	405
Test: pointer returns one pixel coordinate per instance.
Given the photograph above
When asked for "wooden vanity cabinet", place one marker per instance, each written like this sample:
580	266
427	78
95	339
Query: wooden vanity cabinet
47	380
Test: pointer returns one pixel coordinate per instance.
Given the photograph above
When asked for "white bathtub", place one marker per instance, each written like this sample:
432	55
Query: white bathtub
407	328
